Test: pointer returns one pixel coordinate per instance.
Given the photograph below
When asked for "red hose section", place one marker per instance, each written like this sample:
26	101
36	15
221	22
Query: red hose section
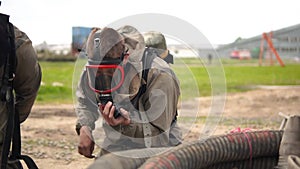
244	131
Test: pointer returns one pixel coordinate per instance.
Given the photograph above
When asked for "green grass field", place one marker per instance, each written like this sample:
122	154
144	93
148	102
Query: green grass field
195	79
56	72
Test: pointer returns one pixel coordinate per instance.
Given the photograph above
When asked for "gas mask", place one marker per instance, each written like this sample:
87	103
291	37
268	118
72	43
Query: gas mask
106	78
107	51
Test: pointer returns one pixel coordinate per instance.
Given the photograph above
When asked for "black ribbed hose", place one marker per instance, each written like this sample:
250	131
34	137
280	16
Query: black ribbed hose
255	163
220	149
254	149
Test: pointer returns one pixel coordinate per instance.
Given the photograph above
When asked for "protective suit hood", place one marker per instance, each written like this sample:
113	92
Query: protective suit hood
133	39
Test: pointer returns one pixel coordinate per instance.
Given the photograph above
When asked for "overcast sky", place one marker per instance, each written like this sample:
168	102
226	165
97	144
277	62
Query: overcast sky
220	21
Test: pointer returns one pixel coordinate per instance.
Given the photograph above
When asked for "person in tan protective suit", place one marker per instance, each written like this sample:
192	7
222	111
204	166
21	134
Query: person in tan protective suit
145	100
157	41
25	84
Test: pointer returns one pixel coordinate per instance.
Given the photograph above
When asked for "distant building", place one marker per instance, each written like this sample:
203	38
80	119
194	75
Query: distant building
286	41
240	54
184	51
57	49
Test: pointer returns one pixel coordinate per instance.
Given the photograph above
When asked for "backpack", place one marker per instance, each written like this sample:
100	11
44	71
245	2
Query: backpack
12	136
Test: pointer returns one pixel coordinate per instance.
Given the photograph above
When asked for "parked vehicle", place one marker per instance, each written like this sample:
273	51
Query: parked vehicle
240	54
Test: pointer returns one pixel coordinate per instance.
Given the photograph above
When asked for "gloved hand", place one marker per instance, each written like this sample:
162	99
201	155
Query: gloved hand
86	144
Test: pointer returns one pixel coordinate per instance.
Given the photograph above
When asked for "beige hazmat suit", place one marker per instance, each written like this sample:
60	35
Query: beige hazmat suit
153	113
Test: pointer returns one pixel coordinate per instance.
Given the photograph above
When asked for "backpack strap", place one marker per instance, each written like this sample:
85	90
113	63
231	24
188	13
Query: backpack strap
147	60
16	146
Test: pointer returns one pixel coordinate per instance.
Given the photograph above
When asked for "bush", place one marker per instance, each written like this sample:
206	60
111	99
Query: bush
50	56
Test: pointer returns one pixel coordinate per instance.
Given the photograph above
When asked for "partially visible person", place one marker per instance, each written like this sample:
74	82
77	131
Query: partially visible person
25	83
209	57
146	100
157	41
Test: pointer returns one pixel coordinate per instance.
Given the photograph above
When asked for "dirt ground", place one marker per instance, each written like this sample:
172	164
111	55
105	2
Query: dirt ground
49	137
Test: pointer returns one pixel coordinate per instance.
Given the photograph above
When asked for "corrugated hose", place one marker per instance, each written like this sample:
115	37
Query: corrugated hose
250	149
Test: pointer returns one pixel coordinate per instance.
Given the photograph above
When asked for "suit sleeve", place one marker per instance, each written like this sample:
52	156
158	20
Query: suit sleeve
86	106
27	78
